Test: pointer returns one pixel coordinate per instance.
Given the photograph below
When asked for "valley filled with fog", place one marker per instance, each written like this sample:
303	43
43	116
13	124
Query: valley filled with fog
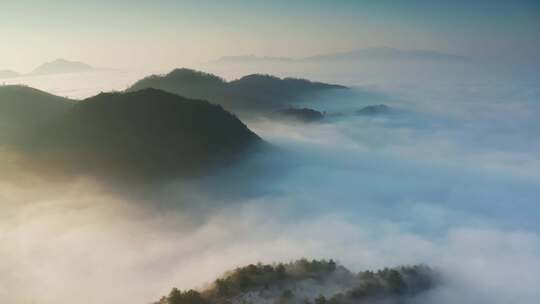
449	177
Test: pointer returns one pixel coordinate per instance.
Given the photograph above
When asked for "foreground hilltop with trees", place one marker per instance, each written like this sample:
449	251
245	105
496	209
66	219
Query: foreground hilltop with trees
304	281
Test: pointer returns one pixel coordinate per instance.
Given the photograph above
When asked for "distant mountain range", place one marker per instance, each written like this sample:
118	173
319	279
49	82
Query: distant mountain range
361	55
310	282
58	66
385	53
250	93
254	59
8	74
143	134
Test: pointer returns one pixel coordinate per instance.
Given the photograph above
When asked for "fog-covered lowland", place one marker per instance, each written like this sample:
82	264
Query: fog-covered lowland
445	174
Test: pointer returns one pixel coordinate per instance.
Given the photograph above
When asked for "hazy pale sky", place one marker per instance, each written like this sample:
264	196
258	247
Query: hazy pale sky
167	33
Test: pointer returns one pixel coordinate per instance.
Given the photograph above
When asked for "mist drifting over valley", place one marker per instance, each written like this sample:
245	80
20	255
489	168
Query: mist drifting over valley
325	168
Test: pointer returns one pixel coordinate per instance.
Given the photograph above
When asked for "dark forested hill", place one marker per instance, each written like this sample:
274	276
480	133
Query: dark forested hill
23	108
186	83
250	93
304	282
148	133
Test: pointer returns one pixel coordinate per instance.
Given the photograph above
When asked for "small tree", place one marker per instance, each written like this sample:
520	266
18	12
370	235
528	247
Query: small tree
175	297
281	272
395	281
320	300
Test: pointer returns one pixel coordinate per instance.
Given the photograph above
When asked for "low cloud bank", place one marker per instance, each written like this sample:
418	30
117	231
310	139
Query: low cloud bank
452	181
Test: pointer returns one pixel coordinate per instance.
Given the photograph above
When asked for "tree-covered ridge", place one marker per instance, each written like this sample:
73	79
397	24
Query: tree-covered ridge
304	281
143	134
23	108
250	93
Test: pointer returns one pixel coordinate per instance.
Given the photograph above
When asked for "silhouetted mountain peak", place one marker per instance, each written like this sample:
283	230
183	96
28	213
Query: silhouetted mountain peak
193	75
253	92
60	66
258	77
145	134
8	74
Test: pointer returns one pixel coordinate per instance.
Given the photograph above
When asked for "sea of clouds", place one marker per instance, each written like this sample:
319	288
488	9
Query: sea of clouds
451	179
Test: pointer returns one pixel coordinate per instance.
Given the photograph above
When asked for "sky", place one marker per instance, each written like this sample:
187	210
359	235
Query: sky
165	33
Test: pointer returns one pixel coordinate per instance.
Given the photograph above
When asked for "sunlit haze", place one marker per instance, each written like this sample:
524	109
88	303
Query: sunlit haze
166	34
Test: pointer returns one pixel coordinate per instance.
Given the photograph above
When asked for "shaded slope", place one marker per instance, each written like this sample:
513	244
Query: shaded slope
23	108
148	133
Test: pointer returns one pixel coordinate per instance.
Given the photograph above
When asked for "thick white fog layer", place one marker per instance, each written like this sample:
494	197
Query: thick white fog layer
451	178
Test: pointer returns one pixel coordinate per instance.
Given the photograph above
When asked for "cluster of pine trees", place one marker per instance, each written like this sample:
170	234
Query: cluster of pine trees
305	281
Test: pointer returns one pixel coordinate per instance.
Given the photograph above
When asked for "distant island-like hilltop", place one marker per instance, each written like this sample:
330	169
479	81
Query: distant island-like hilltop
61	66
8	74
58	66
